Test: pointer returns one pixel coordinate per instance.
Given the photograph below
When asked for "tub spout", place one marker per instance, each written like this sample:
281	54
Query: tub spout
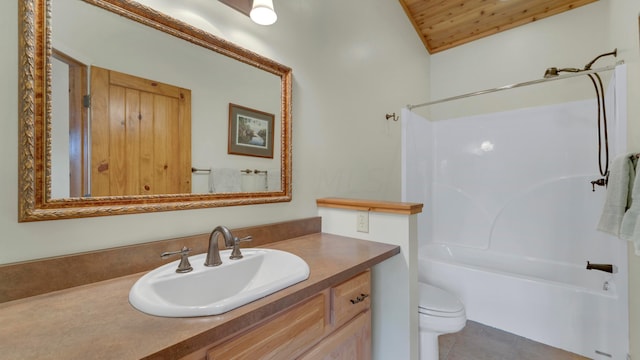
602	267
599	182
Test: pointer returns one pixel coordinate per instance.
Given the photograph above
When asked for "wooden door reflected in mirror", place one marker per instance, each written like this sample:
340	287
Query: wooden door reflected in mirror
140	136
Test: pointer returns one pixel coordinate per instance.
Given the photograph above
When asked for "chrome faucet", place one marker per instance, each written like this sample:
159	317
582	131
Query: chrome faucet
213	254
184	266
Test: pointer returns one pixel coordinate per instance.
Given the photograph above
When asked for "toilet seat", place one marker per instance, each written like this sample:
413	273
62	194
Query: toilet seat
437	302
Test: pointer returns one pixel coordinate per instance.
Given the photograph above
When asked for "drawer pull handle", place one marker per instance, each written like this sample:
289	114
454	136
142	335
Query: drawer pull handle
359	298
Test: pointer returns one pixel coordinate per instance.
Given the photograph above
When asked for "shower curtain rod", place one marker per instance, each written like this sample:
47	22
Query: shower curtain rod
512	86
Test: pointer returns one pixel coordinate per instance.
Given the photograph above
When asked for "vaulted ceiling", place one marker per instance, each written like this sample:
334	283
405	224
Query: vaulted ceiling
443	24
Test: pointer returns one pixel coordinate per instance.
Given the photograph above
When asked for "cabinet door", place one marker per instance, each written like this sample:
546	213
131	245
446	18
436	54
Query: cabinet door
350	342
283	337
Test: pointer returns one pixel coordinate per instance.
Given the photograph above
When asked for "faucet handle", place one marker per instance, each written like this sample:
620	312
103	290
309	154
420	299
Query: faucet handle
235	253
184	266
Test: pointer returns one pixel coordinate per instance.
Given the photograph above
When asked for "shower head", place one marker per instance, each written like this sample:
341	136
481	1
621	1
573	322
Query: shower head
551	72
554	71
593	75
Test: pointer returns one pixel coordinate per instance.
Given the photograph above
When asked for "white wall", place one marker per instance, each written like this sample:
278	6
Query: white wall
624	34
60	180
394	282
569	39
352	63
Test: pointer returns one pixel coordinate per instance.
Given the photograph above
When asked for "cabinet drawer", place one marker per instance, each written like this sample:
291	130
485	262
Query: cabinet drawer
352	341
283	337
350	298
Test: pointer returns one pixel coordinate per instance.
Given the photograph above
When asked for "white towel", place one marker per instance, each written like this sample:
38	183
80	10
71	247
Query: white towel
618	195
248	182
254	182
261	181
273	180
630	227
224	180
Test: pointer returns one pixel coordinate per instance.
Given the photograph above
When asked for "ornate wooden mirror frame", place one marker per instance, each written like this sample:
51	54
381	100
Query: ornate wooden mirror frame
35	202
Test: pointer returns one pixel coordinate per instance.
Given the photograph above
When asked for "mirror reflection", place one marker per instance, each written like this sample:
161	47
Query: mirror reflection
125	110
136	111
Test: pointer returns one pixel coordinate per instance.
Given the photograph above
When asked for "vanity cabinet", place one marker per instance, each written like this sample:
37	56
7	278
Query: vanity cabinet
312	319
332	324
282	337
350	323
350	342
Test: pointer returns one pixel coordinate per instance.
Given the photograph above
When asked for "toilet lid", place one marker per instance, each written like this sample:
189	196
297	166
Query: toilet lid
434	300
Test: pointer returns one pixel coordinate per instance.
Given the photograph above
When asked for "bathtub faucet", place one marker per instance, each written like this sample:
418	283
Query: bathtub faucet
599	182
602	267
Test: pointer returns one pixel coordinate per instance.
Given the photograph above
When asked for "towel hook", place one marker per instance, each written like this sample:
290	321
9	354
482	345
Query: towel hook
392	116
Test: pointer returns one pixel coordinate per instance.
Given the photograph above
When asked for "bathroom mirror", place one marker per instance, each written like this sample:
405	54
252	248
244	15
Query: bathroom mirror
223	76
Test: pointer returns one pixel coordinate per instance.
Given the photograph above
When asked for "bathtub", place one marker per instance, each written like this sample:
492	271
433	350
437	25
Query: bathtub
562	305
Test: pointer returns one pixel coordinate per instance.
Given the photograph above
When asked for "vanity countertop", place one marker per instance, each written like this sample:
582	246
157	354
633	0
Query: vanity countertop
96	320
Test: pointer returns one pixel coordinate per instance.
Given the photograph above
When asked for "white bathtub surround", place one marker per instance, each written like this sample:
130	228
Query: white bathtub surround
552	303
394	332
510	220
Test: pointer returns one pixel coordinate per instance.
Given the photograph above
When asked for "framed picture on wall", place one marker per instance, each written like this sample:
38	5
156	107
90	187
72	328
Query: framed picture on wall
250	132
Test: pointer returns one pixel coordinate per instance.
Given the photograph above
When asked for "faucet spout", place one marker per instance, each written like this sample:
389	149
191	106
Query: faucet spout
213	253
602	267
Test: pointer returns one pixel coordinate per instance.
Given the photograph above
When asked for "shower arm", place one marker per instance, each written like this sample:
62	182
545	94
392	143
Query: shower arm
588	66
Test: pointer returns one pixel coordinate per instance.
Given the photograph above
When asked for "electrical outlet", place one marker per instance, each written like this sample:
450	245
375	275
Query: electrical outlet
363	221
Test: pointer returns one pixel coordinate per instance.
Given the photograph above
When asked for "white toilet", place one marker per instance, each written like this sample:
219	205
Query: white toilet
440	313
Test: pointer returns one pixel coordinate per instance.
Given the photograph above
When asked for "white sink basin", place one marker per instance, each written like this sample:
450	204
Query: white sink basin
215	290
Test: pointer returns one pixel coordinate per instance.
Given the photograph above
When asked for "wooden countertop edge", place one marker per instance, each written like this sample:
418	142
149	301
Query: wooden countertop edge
404	208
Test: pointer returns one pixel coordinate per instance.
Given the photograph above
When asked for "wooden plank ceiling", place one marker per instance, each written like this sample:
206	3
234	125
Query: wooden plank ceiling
443	24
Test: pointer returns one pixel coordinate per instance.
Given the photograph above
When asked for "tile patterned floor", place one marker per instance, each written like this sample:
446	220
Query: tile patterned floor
480	342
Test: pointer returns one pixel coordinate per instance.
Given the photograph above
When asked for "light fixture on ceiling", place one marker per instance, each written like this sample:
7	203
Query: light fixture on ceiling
262	12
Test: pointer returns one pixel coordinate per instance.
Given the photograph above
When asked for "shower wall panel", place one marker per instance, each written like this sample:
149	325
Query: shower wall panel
517	184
